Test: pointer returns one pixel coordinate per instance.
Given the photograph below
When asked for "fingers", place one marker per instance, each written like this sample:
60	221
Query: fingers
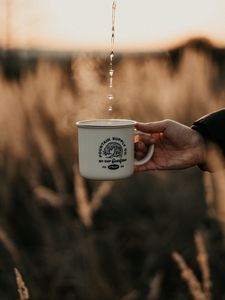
140	168
141	146
140	150
149	140
139	155
147	167
152	127
145	140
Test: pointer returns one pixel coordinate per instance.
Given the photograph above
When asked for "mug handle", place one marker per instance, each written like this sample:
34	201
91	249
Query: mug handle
149	153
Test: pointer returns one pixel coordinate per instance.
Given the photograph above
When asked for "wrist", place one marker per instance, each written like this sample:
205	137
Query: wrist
200	153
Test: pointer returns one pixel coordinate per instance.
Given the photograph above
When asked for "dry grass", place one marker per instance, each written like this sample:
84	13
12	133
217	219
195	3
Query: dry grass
9	244
87	207
203	262
155	287
199	291
145	91
133	295
47	196
40	178
189	277
22	289
214	186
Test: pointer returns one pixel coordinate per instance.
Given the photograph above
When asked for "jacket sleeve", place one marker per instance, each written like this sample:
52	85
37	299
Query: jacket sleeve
212	128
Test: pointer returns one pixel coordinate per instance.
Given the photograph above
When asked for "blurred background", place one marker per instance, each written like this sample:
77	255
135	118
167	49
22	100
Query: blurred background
72	238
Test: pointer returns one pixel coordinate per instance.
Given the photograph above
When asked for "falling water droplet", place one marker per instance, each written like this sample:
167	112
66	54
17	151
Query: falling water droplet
110	97
110	82
111	57
111	71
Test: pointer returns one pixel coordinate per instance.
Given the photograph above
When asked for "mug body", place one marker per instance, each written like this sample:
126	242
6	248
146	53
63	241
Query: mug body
106	149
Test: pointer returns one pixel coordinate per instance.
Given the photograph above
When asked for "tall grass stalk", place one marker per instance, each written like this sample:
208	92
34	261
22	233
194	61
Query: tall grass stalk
214	185
198	290
38	149
22	289
87	207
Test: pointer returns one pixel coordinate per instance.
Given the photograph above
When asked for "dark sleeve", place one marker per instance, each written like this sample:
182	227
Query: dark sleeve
212	128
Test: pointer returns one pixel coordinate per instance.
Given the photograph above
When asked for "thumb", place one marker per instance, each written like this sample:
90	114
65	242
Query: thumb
152	127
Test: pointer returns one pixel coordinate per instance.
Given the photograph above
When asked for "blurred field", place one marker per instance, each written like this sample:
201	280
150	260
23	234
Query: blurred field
77	239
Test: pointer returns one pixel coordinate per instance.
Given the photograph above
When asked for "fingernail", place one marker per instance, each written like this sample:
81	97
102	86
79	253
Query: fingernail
137	138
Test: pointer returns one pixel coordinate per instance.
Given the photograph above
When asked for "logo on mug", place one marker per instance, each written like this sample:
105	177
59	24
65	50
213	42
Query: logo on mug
112	153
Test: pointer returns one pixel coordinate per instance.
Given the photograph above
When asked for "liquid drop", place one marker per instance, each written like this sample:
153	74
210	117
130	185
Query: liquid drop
111	57
110	97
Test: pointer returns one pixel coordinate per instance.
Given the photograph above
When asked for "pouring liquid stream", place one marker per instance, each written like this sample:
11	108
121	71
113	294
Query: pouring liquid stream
111	57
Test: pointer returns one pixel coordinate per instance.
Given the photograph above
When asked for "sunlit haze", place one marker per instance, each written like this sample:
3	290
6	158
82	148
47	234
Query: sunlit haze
86	24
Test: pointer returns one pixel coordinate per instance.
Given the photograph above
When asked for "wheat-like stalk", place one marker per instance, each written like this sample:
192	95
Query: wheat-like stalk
8	243
83	206
87	207
218	163
100	194
198	291
133	295
155	285
21	287
214	185
46	195
209	194
189	277
202	258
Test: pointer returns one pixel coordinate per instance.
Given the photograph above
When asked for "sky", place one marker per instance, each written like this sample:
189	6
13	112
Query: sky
86	24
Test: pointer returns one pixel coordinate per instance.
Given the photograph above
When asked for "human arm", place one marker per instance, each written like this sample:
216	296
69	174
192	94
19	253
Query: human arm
178	146
212	129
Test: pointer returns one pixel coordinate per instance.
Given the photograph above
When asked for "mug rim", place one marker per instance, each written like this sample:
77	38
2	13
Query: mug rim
116	123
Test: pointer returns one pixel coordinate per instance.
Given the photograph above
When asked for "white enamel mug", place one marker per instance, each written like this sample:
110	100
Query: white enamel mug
106	149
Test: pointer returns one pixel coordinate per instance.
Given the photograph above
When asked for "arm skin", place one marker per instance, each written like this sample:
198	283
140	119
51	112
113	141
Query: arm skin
178	146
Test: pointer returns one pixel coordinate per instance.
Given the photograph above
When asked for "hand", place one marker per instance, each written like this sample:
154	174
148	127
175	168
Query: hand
176	146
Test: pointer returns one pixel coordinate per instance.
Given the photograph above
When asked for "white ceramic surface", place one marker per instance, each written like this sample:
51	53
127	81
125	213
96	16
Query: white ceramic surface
106	149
